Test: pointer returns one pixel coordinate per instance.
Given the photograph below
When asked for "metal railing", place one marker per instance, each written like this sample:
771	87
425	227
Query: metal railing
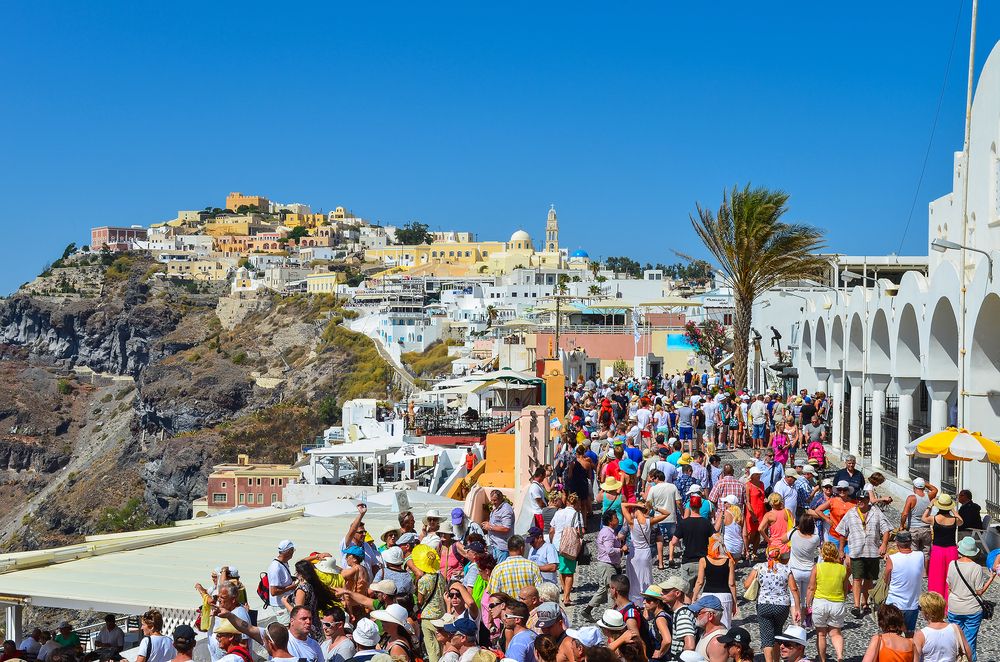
890	434
458	424
866	428
993	490
920	467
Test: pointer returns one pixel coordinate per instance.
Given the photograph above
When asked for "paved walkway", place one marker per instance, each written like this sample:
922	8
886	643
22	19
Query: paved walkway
857	633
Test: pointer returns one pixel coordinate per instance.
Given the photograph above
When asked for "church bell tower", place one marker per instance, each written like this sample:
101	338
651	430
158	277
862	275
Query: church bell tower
552	232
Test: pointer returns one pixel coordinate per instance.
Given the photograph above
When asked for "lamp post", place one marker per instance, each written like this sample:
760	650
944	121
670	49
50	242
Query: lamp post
942	245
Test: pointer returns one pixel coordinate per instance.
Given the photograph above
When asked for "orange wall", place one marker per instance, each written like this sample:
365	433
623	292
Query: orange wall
499	460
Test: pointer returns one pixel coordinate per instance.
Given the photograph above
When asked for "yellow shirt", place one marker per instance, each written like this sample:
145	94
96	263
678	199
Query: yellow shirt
830	581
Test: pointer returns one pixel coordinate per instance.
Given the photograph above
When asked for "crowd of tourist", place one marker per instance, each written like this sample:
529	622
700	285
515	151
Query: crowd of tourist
781	535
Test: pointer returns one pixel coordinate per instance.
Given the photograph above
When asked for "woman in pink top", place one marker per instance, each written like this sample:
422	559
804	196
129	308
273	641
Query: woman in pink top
779	442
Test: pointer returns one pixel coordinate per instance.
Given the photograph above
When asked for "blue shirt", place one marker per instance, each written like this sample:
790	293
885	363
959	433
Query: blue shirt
779	473
673	457
522	646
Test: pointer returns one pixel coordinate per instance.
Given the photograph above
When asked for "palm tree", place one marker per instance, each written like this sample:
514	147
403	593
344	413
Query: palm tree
595	291
756	250
491	316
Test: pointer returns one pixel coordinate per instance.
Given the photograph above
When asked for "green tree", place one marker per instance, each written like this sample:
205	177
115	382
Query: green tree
624	265
298	232
491	315
69	250
756	250
413	233
708	339
594	291
327	410
561	286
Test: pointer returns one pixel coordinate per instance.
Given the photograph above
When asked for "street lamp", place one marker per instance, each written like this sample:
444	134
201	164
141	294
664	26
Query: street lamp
942	245
848	276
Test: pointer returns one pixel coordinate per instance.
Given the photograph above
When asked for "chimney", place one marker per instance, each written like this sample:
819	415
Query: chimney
243	460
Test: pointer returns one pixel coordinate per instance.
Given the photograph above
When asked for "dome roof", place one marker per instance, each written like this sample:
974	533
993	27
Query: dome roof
579	253
520	235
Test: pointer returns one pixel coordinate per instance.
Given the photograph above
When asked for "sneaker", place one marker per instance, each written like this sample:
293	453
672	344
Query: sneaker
586	615
856	612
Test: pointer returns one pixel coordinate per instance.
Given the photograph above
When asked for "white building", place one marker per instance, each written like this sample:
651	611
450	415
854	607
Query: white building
907	357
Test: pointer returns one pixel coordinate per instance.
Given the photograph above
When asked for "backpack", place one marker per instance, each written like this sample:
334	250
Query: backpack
242	652
264	587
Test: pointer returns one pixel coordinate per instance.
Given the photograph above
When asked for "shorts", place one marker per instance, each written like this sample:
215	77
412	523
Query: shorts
910	618
758	431
566	566
666	530
685	433
646	434
689	575
865	568
921	538
827	614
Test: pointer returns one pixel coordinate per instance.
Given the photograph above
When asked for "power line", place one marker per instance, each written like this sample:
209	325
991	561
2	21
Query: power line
930	141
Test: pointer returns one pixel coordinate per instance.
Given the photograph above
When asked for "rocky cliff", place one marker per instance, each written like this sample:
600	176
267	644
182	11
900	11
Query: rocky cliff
113	409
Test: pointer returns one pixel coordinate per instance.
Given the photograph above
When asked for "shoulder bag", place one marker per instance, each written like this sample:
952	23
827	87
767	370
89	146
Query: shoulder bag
571	542
750	592
985	605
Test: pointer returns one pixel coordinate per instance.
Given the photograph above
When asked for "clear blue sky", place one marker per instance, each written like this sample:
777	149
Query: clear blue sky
475	116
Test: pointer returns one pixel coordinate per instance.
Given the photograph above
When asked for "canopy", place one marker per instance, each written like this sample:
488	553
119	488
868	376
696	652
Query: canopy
609	304
374	446
507	375
550	307
955	445
669	302
414	452
465	388
518	323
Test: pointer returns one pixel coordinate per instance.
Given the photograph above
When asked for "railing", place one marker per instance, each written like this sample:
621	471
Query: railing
993	490
458	424
890	434
949	478
866	428
88	633
920	467
611	330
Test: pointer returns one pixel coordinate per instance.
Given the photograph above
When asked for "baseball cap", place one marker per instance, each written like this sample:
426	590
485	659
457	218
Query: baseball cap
694	489
355	550
844	485
588	636
477	547
533	532
904	537
408	538
919	483
465	626
444	620
809	469
457	516
794	634
755	470
706	602
735	636
386	586
547	613
184	634
673	583
285	545
827	482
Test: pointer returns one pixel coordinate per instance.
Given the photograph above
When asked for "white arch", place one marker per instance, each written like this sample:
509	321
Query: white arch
820	344
835	356
984	371
807	349
879	345
942	346
905	358
856	344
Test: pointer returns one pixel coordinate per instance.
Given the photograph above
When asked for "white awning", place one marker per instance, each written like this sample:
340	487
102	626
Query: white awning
414	452
376	446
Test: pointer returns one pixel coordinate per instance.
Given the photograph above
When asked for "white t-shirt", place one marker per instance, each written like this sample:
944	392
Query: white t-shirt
545	555
758	412
788	493
114	638
345	650
664	496
642	418
231	657
308	649
535	491
278	575
46	649
157	648
563	518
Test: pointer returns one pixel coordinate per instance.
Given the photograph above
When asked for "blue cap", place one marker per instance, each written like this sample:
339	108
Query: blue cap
807	399
628	466
465	626
355	550
706	602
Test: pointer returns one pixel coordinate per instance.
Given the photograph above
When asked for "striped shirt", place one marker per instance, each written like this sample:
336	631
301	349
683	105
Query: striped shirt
684	626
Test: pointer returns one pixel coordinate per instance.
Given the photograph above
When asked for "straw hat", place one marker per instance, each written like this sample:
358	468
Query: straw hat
654	591
426	559
611	484
944	502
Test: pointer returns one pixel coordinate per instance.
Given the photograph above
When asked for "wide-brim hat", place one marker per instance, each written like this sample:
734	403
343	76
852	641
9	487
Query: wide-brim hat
329	566
393	613
611	485
653	591
393	555
629	467
390	532
968	546
426	559
944	502
685	458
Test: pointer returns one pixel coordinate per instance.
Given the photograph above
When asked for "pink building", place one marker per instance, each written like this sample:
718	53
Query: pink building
116	239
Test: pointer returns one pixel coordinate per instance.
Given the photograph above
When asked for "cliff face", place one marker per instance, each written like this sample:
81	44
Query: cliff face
171	393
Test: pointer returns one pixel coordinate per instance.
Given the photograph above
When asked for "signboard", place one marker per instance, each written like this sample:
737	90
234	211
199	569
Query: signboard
716	302
402	502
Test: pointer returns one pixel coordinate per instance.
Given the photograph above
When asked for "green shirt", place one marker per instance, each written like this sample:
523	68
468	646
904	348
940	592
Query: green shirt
73	639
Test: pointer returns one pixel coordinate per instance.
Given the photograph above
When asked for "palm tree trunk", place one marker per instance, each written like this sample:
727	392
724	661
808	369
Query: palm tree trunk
741	338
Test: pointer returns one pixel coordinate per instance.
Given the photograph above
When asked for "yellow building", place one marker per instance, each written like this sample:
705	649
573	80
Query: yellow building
307	220
469	253
325	283
200	269
236	200
236	225
339	214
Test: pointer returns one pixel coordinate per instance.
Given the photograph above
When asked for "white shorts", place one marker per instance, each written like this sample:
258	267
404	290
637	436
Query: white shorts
828	614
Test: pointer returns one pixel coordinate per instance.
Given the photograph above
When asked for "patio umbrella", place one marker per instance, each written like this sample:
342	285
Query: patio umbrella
955	445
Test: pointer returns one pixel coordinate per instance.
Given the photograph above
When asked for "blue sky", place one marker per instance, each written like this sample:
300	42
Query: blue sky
476	116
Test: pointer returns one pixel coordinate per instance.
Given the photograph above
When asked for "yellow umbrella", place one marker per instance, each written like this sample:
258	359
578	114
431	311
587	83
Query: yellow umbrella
955	445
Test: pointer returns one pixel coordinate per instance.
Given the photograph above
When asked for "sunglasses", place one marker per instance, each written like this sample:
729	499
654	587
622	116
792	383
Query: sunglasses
456	594
328	625
494	605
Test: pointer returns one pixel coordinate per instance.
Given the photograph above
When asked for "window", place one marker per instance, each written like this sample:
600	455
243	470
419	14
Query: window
467	253
280	481
223	483
274	497
272	482
243	498
260	498
727	319
219	497
258	481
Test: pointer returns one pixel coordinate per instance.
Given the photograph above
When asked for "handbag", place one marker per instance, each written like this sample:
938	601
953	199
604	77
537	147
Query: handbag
879	593
985	605
571	542
750	592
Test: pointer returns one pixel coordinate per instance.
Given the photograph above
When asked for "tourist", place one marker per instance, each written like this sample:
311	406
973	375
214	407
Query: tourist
612	498
366	638
628	476
772	471
639	567
300	644
336	646
393	569
355	575
824	494
805	488
683	630
776	524
698	470
463	526
227	598
620	589
663	499
738	648
500	525
944	541
357	536
826	597
452	561
613	629
520	639
429	530
685	423
792	644
430	596
804	544
968	581
514	571
230	641
695	531
729	522
780	446
939	640
969	512
708	617
866	531
156	647
566	518
461	604
789	493
851	474
832	511
48	646
891	645
586	643
793	435
311	593
758	421
609	548
542	553
879	496
904	572
396	635
66	637
550	622
111	637
727	485
280	580
754	512
184	642
913	509
777	598
535	499
717	577
657	622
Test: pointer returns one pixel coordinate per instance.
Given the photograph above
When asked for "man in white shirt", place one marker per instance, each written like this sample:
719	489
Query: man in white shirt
300	644
229	599
32	643
111	636
643	416
786	488
664	499
279	578
758	419
535	502
48	645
